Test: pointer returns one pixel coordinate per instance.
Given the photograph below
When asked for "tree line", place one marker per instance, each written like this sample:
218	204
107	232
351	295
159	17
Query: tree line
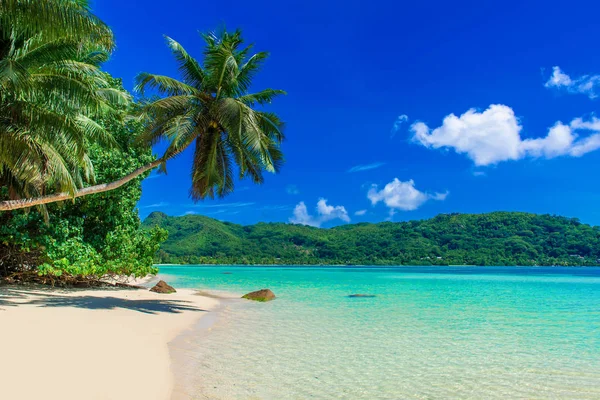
493	239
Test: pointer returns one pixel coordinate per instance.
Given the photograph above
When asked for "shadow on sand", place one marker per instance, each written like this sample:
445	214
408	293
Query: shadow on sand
12	297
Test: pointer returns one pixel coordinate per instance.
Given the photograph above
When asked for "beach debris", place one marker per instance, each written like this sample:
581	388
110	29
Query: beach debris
362	295
260	295
163	287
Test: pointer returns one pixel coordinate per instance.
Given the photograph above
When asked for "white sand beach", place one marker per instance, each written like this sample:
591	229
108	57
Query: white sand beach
92	344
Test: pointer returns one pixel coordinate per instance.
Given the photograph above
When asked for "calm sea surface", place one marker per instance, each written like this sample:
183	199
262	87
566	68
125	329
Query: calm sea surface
430	333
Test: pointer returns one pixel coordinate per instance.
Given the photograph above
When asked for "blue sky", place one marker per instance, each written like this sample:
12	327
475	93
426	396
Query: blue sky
396	110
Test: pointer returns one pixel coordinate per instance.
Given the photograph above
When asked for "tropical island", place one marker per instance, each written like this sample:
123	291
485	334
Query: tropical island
88	310
499	238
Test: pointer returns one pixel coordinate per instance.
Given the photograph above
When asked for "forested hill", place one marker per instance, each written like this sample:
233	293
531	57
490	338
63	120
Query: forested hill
499	238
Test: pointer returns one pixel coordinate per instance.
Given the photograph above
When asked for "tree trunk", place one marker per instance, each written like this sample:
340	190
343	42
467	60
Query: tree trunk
52	198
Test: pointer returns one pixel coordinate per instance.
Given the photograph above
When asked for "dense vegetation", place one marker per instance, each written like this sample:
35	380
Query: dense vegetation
90	237
499	238
53	95
69	130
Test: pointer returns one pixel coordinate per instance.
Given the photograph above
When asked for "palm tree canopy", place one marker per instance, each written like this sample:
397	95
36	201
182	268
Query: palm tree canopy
51	93
55	18
212	107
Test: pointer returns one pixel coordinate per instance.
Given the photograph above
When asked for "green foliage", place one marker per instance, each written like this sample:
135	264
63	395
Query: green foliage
55	18
499	238
93	236
211	107
52	95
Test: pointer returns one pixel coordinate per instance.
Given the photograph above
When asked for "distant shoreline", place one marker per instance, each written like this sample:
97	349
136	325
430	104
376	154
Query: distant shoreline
496	238
375	266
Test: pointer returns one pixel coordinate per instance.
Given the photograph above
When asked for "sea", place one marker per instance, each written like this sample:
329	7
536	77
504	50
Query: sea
426	333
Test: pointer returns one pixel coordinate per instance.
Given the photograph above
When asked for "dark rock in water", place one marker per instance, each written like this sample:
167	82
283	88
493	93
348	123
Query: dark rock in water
227	273
362	295
260	295
162	287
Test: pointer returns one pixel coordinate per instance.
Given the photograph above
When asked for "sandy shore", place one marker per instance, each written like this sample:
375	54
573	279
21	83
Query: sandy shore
92	344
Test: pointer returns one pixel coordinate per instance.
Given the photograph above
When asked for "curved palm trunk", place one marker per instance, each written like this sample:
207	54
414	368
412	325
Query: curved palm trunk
53	198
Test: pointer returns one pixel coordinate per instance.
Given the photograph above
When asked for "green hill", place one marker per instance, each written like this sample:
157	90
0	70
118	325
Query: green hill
498	238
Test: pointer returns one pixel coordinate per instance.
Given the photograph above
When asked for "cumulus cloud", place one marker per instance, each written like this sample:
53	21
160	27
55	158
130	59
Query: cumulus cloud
324	213
398	195
360	212
398	123
494	135
586	84
365	167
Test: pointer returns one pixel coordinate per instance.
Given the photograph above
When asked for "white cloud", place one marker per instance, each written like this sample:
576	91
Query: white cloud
487	138
558	78
155	205
440	196
292	189
391	214
302	217
360	212
324	211
586	84
402	196
398	123
328	212
366	167
494	135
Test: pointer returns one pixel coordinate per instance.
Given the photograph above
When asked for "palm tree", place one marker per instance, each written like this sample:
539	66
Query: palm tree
51	90
211	107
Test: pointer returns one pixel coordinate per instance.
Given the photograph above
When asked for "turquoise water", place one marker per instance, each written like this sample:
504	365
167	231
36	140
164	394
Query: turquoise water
430	333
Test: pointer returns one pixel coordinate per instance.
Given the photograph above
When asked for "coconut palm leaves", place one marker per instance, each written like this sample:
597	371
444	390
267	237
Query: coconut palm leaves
55	18
51	92
212	108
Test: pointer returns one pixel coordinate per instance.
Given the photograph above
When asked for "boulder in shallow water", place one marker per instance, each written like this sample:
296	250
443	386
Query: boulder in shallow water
362	295
260	295
163	287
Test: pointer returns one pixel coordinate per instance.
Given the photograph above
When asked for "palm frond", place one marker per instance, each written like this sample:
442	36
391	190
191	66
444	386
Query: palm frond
165	85
263	97
248	71
56	19
190	69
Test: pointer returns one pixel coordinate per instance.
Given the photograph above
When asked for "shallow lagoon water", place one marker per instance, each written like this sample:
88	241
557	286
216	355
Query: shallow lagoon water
430	333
